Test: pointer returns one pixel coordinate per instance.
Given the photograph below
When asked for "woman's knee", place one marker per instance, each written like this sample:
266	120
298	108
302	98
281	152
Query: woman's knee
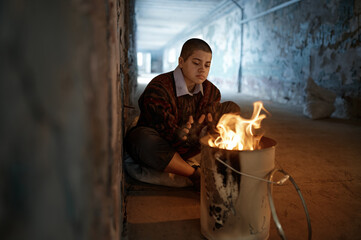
230	107
141	137
145	145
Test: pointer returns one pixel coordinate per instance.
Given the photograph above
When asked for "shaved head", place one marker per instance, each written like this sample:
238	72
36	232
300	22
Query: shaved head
192	45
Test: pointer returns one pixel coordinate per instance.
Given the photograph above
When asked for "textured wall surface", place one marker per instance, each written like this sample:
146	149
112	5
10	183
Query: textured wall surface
224	37
65	68
317	39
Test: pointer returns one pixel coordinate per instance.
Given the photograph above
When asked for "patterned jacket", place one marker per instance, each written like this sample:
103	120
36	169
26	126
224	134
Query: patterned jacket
161	109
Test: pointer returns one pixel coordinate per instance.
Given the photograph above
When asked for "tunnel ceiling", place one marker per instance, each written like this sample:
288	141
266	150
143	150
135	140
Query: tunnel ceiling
159	21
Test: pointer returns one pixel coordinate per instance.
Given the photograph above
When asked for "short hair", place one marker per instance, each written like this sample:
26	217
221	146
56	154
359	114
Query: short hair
192	45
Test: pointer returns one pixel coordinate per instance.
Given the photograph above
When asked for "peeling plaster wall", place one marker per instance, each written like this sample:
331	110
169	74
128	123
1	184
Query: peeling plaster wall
223	35
65	70
318	39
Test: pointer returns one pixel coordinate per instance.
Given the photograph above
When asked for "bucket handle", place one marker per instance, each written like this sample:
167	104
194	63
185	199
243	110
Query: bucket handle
280	182
270	198
273	209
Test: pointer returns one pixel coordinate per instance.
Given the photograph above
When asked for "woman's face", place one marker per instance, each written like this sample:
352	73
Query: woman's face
196	68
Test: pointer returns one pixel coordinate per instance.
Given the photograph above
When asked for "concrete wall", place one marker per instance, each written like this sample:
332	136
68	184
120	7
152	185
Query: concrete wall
317	39
224	37
65	69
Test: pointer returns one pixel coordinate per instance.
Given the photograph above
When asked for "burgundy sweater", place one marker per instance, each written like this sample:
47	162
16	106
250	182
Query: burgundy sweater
161	109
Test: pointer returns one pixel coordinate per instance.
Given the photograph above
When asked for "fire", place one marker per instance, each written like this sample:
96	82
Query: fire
237	133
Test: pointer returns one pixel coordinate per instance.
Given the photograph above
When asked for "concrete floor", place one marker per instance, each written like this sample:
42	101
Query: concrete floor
323	156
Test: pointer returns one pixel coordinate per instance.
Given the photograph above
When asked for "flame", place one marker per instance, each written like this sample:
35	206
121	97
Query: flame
237	133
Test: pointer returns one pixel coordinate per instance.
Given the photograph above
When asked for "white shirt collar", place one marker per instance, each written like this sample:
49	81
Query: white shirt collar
181	86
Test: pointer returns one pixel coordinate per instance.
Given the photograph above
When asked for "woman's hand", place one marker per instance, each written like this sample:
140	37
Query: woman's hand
185	130
193	129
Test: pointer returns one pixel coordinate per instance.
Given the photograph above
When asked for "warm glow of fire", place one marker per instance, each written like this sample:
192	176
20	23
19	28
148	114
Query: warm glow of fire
237	133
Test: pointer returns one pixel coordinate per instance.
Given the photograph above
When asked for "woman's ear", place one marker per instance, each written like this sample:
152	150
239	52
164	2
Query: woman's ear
180	62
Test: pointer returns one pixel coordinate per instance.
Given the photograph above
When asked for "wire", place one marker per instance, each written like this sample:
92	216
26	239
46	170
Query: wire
280	182
270	198
273	209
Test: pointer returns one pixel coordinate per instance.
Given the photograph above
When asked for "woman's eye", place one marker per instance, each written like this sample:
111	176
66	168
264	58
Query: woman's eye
195	63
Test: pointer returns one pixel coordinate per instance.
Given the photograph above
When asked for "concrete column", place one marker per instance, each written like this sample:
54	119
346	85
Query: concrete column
66	70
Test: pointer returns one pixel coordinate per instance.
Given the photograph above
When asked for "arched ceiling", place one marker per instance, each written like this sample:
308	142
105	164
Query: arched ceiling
159	21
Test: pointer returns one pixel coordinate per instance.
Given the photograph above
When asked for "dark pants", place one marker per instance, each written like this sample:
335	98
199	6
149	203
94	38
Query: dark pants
147	147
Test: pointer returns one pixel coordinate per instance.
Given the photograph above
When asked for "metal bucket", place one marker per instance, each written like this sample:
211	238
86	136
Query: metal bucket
234	206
